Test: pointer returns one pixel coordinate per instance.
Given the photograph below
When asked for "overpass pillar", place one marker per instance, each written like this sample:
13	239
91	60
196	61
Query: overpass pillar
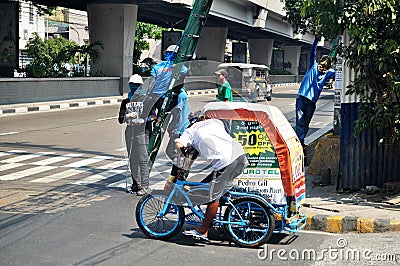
261	51
212	44
114	25
292	55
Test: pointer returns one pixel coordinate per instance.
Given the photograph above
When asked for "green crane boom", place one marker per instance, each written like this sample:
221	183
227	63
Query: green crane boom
187	47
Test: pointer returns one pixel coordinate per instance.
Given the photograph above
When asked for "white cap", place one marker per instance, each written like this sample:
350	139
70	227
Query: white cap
137	79
172	48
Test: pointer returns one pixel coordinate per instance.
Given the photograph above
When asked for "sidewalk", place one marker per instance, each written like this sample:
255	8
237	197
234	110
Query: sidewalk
333	212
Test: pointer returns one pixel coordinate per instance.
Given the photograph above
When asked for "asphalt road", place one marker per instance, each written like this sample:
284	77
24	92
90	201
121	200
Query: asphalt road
48	217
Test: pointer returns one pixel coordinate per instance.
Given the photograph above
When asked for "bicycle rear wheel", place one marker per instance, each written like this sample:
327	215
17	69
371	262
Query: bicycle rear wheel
165	227
259	226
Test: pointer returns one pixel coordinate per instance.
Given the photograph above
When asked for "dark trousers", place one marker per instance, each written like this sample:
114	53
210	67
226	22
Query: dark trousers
304	112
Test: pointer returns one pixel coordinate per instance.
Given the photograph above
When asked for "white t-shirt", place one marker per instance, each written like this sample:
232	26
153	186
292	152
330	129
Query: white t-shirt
210	138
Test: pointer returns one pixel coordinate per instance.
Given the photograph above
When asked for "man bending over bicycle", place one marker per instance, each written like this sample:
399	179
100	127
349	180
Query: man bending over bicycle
227	160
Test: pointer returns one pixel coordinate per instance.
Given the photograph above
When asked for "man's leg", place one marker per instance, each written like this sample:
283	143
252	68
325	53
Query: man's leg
142	158
309	109
300	123
209	216
133	167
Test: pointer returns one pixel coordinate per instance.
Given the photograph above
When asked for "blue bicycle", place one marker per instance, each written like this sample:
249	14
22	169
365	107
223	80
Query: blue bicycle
246	219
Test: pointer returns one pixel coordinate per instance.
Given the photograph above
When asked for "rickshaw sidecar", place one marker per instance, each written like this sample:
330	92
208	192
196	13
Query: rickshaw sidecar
276	161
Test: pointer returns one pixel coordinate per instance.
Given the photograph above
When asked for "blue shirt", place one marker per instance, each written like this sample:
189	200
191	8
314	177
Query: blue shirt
313	81
183	105
163	72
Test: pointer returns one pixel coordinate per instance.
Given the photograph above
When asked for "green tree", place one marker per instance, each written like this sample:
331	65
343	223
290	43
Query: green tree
143	31
373	27
49	56
89	52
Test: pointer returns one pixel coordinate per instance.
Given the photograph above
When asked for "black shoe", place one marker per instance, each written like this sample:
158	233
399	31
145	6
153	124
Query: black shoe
134	188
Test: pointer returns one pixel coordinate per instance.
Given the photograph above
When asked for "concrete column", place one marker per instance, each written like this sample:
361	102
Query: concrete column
292	55
212	44
261	51
114	25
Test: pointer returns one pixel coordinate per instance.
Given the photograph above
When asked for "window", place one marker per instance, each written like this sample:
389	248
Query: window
31	13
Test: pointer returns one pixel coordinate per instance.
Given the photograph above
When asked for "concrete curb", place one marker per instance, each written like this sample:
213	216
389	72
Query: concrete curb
45	106
286	84
344	224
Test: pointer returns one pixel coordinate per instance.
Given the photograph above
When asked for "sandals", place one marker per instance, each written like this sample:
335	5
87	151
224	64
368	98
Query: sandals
195	235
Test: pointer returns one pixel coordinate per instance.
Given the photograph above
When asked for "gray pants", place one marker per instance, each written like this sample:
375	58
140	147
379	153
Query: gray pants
217	182
136	145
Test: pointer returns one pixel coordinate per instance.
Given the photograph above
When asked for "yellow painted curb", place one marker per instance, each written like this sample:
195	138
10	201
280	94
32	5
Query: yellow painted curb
334	224
394	225
365	225
309	218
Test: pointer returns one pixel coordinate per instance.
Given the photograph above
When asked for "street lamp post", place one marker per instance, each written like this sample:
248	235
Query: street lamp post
79	43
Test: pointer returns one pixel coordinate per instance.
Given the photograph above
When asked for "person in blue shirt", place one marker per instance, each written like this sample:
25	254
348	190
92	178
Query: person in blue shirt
310	89
179	122
162	72
162	75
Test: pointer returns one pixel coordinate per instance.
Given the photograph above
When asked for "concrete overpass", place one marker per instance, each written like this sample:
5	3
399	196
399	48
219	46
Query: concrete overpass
257	22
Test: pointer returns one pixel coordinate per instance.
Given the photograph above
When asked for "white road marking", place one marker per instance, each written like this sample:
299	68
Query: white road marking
26	157
5	153
58	176
104	119
112	165
87	161
57	159
98	177
27	172
8	166
9	133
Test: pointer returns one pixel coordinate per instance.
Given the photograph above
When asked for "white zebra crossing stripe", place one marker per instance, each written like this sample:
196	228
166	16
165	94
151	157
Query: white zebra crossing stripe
8	166
27	172
59	176
26	157
112	165
106	169
98	177
86	162
5	153
57	159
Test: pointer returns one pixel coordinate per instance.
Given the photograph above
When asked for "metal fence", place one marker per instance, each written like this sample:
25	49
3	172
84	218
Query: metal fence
363	161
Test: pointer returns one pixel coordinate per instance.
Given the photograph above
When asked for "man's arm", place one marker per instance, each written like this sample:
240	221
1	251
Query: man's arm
313	52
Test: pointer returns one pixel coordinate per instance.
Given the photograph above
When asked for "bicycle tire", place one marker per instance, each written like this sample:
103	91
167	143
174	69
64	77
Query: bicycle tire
260	226
164	227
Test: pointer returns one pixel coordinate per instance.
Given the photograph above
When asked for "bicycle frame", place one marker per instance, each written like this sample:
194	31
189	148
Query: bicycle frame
178	189
279	210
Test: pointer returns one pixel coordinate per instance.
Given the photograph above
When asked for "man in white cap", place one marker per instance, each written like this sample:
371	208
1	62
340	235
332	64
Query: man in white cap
135	114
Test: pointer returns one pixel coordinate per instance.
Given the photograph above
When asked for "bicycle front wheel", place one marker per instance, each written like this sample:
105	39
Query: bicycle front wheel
258	219
154	225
